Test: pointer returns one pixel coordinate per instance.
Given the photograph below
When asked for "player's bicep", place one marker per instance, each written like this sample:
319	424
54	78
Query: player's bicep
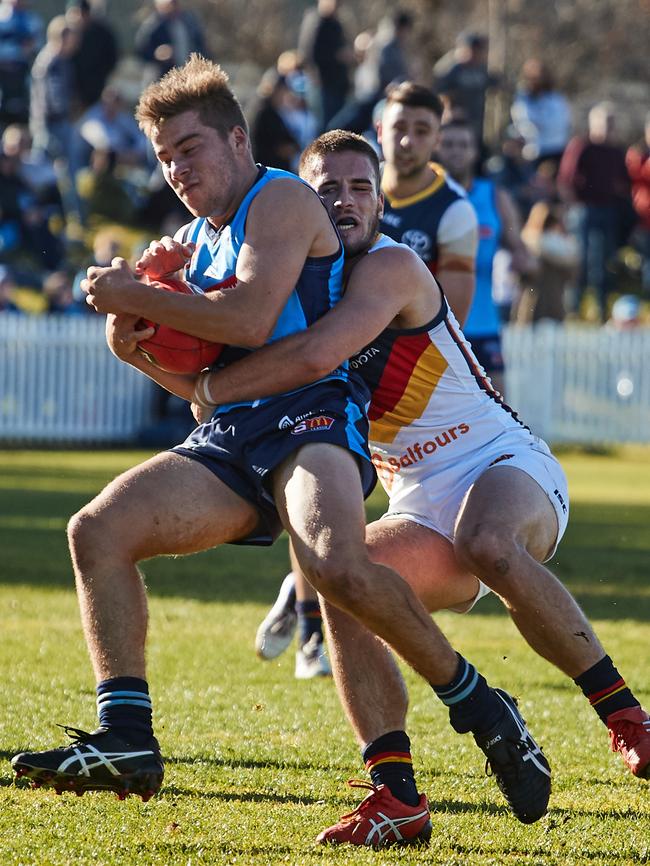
280	235
458	238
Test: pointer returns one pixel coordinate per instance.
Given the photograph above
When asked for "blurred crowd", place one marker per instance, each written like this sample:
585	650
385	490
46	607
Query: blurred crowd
79	183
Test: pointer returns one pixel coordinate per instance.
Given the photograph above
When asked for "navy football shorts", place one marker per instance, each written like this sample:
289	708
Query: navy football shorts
243	445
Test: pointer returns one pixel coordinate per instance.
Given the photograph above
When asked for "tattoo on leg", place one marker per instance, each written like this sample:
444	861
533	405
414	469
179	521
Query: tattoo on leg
581	634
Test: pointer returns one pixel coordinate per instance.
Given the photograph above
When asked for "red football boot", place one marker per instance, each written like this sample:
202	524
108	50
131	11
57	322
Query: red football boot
629	734
381	820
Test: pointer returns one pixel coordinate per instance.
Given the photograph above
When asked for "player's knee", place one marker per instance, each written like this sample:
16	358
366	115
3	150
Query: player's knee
488	551
81	534
90	536
335	579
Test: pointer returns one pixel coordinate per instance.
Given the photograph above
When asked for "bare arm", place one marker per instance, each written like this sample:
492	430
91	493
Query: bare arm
457	245
385	285
522	259
286	224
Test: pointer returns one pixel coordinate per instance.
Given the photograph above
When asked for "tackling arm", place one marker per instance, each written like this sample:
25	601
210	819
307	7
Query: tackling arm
383	286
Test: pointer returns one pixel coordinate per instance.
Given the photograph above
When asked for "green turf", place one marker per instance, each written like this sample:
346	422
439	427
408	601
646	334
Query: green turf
257	762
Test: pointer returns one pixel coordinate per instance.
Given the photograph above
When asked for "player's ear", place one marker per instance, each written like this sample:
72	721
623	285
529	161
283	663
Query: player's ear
239	139
379	131
380	205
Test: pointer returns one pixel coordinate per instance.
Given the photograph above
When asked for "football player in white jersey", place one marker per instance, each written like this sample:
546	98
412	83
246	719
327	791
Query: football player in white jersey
473	494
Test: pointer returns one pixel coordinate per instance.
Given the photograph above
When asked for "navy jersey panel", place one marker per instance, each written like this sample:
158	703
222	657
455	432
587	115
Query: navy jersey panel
243	447
214	265
416	225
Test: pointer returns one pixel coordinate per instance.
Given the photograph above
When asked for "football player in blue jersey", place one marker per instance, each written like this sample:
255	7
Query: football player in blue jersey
298	460
499	227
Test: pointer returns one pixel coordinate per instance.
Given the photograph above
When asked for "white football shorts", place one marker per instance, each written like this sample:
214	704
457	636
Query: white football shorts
435	501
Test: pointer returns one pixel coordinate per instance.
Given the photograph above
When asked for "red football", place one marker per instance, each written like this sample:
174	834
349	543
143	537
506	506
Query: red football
173	350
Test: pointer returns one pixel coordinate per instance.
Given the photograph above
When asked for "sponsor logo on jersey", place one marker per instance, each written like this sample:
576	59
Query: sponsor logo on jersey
285	422
392	219
261	470
319	422
363	357
388	467
418	241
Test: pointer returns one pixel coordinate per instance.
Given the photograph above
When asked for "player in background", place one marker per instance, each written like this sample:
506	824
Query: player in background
424	208
472	493
429	212
499	226
267	262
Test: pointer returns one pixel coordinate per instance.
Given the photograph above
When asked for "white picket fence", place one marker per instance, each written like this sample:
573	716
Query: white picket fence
580	384
59	383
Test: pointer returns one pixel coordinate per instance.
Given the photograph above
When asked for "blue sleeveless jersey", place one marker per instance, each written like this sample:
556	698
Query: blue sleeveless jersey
483	319
214	265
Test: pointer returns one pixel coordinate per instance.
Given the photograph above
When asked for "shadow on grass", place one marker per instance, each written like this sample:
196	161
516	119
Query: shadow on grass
602	559
239	796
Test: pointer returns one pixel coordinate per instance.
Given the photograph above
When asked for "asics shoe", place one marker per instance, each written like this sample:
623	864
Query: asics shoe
380	820
97	761
629	734
278	627
517	763
311	660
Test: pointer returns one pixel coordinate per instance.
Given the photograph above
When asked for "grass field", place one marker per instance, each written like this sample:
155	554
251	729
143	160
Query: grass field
257	762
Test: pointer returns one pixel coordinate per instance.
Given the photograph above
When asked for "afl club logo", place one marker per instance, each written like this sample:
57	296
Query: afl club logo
418	241
308	425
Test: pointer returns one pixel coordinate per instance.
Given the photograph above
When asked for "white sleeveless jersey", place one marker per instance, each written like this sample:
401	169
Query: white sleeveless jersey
433	410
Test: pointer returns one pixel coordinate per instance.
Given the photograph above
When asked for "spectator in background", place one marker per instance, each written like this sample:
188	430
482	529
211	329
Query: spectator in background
271	139
462	79
499	226
57	291
167	37
21	37
626	313
96	52
637	160
593	174
53	92
511	170
108	125
35	169
385	61
53	108
545	290
24	229
297	114
7	288
323	44
541	114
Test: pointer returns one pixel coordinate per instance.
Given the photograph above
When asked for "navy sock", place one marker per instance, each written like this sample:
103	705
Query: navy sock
473	705
605	689
388	760
310	620
124	705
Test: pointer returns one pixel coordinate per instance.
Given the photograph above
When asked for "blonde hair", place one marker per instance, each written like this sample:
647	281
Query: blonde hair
200	85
